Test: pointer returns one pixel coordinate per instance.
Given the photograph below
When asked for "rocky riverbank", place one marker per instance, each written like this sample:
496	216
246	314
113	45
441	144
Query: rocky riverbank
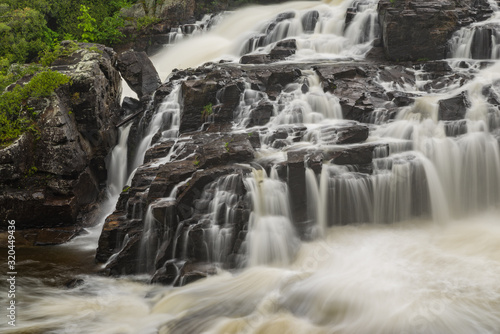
53	179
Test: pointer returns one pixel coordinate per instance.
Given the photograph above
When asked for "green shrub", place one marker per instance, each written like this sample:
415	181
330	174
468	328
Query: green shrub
10	73
24	31
15	118
32	171
44	83
146	21
207	111
109	31
87	24
48	55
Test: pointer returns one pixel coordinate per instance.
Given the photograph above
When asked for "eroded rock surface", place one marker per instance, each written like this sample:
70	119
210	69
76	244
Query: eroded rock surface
53	179
420	30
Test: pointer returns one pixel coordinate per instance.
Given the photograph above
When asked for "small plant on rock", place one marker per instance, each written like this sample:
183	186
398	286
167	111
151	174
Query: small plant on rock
207	111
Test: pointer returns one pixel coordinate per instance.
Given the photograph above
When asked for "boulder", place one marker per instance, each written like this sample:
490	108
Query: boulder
261	114
283	49
309	21
454	108
139	72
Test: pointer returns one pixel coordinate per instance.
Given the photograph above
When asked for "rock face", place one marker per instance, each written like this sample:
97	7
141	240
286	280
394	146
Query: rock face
413	30
167	14
139	72
52	180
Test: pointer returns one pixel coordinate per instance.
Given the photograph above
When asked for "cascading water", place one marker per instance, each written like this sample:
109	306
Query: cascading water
406	243
271	237
480	40
166	120
240	33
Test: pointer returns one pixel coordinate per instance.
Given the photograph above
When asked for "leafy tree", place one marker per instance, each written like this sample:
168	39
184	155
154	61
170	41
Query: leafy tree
87	24
23	34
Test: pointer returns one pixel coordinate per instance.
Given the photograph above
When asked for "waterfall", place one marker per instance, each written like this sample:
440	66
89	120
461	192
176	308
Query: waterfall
412	163
117	173
116	180
271	237
302	102
257	29
166	121
399	237
480	40
216	213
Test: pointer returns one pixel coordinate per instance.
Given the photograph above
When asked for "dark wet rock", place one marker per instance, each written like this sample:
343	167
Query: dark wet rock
255	59
130	105
350	14
401	99
283	49
254	139
455	128
279	18
490	92
170	175
198	158
197	95
280	143
358	94
166	214
343	133
115	228
361	155
126	261
436	66
413	30
229	98
482	41
74	283
139	72
158	151
277	81
161	93
297	185
454	108
261	114
198	182
397	75
180	273
309	21
41	237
